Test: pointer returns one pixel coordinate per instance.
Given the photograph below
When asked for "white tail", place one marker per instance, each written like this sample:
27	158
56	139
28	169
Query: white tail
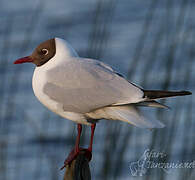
126	113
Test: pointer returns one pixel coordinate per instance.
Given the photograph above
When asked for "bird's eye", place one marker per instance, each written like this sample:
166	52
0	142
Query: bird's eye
45	51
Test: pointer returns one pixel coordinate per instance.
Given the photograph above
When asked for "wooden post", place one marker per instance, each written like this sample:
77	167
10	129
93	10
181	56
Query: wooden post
79	168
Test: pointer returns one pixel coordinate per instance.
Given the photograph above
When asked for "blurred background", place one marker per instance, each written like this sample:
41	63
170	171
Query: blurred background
151	42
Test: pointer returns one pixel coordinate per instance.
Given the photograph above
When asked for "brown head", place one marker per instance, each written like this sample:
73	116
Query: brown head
42	54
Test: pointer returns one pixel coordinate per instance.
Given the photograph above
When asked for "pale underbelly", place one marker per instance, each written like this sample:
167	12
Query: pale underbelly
38	85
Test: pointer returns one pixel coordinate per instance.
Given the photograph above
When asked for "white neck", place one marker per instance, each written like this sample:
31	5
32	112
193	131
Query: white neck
64	49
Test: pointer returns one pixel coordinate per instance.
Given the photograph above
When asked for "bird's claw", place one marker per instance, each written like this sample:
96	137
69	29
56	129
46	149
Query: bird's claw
73	155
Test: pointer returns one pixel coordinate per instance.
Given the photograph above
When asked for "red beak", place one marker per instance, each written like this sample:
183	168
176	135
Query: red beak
26	59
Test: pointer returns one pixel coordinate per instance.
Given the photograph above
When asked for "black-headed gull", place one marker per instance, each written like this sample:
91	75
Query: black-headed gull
86	90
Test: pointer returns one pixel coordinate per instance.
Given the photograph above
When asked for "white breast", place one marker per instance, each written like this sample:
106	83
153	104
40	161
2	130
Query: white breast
38	82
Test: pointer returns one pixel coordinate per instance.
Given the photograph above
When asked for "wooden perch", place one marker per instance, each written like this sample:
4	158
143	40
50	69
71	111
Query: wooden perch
79	168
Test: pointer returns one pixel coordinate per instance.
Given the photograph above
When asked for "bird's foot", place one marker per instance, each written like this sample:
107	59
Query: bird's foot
73	155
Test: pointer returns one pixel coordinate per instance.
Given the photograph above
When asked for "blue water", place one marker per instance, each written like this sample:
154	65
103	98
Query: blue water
34	142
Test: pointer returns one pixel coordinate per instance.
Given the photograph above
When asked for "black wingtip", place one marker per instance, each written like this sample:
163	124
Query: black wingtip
156	94
186	92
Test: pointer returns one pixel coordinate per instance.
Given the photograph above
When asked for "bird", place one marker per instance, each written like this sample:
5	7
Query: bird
86	90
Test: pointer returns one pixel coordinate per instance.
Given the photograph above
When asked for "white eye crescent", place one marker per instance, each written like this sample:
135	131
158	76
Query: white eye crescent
45	51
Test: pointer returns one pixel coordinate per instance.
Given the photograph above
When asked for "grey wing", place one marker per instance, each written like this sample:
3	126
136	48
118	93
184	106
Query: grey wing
83	85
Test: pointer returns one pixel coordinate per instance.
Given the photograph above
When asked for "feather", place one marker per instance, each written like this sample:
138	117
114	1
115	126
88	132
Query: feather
128	113
156	94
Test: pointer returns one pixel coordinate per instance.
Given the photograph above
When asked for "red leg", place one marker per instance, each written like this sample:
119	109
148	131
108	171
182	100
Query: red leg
79	129
73	154
92	134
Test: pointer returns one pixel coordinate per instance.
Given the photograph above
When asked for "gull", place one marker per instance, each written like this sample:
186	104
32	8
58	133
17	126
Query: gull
86	90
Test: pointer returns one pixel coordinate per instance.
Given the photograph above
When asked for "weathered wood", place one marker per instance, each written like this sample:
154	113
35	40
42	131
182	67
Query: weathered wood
79	169
69	173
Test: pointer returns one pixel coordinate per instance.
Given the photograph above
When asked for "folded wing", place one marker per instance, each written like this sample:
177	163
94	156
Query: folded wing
83	85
